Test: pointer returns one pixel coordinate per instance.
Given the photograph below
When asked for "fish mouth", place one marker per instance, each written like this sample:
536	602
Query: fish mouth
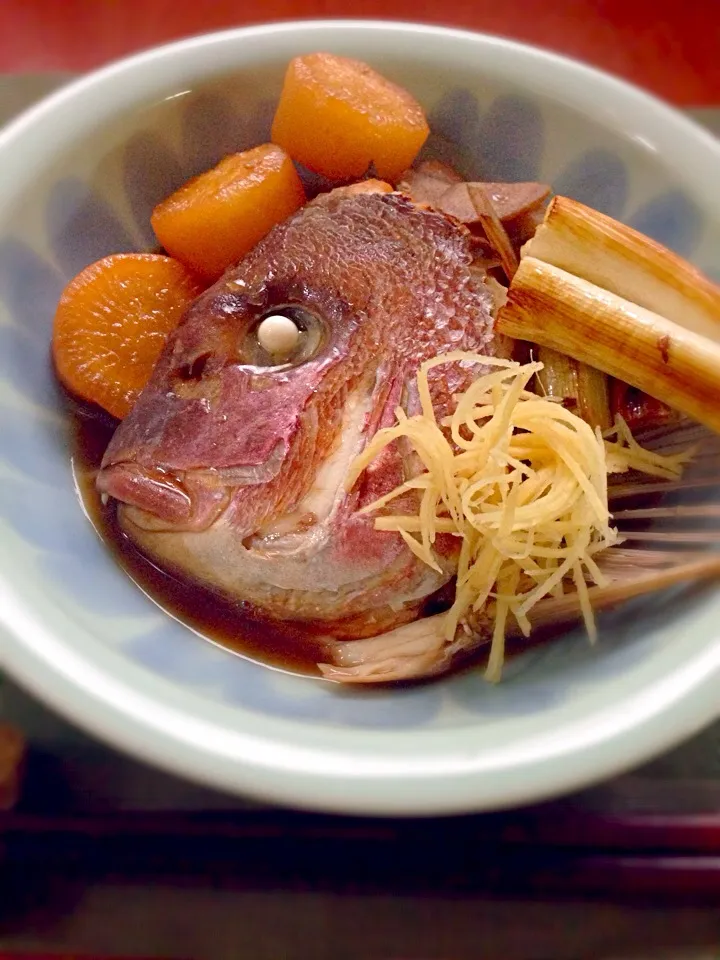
161	500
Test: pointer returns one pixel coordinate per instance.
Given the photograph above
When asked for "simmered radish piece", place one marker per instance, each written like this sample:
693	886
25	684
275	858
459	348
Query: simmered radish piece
112	322
338	116
213	220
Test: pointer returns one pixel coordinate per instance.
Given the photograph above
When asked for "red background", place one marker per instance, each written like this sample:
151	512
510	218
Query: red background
669	46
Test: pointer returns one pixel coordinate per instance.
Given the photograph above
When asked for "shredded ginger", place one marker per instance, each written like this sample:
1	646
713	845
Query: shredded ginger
522	481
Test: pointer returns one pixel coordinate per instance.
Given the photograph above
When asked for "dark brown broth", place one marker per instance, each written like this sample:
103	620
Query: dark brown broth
231	624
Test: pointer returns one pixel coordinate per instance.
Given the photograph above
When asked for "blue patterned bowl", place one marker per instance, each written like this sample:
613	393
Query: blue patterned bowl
80	175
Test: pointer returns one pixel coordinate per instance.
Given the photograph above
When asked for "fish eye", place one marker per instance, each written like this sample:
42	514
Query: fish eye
283	336
278	334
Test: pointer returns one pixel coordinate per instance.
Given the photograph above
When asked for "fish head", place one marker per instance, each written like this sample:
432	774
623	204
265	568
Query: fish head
231	467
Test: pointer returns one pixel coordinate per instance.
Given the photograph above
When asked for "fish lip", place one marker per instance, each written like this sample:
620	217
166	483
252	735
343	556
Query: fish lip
159	500
155	492
166	500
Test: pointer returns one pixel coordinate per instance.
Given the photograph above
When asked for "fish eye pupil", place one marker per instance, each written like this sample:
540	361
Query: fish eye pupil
278	334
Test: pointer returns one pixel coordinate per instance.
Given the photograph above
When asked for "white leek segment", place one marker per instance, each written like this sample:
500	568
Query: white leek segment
554	308
617	258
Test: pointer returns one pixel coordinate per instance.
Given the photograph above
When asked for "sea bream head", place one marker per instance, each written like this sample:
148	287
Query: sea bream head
231	468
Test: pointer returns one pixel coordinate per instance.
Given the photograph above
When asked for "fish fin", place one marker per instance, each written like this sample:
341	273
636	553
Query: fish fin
632	574
411	652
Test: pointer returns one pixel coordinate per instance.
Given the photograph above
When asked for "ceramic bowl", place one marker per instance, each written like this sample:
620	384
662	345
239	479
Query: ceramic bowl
80	175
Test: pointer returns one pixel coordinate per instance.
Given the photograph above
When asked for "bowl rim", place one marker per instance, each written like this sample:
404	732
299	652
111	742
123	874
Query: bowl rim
324	775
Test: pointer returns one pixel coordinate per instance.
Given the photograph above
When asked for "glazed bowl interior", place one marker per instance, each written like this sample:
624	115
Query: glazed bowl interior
81	174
